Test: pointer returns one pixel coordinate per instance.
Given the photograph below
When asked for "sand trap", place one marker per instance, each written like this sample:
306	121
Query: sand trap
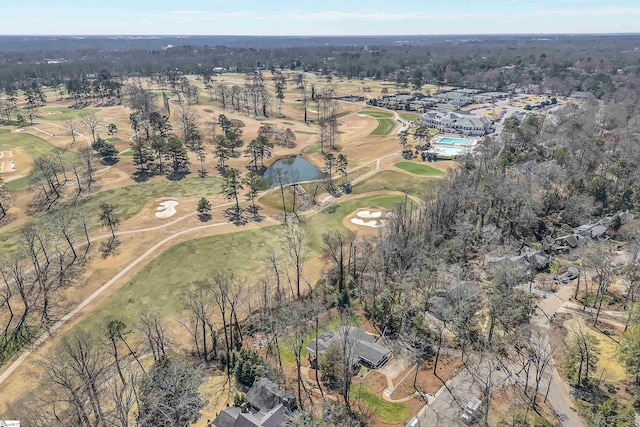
18	130
363	115
358	221
166	209
6	154
369	214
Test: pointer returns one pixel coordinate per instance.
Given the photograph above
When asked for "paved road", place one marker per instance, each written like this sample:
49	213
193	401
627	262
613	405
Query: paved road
445	408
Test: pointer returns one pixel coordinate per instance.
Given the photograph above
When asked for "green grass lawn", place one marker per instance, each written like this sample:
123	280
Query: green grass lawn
208	110
418	169
384	411
129	201
33	145
158	93
18	184
410	116
395	181
127	154
64	113
386	124
304	132
312	149
160	284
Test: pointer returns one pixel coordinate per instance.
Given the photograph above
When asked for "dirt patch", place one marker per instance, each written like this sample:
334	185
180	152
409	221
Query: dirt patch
426	381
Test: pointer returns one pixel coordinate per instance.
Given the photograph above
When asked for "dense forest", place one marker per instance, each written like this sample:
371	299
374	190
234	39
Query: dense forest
559	64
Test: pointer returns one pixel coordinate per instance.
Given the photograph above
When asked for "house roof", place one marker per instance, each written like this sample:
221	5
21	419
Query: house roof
227	417
273	404
361	345
266	395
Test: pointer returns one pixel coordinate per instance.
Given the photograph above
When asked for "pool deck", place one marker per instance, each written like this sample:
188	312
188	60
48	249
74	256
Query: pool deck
453	145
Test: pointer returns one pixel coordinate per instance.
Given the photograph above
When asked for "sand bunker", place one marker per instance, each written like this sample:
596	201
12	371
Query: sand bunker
6	167
370	218
369	214
358	221
166	209
6	154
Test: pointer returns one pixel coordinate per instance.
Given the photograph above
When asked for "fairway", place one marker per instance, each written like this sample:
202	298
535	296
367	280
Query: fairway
33	145
386	124
395	181
129	201
418	169
160	284
59	114
29	148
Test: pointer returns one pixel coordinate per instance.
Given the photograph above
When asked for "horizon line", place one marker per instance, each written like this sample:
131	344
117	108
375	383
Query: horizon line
327	35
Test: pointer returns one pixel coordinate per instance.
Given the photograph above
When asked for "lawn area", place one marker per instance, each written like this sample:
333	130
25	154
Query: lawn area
312	149
33	145
331	217
386	124
418	169
410	116
395	181
127	154
385	411
304	132
59	114
129	200
160	284
17	184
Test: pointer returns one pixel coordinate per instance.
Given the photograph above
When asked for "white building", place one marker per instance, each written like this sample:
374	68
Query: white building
450	122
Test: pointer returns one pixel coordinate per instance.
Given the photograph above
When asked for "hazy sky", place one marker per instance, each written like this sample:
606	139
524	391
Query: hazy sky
318	17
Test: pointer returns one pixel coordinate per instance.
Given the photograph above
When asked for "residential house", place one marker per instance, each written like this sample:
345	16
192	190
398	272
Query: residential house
361	346
267	405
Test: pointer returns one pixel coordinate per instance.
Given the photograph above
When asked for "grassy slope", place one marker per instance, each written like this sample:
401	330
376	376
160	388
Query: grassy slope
65	113
34	146
395	181
160	284
418	169
385	411
386	124
130	200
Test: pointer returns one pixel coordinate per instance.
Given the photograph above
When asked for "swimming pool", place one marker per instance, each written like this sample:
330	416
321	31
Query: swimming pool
455	141
449	151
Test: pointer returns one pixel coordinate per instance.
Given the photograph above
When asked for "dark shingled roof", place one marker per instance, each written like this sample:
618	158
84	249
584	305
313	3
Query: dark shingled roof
273	405
362	345
266	395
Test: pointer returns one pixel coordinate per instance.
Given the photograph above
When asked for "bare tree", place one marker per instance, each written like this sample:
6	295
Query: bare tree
153	330
295	246
92	124
72	126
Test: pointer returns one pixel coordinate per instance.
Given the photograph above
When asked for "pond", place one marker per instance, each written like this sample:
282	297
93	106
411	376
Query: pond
293	169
